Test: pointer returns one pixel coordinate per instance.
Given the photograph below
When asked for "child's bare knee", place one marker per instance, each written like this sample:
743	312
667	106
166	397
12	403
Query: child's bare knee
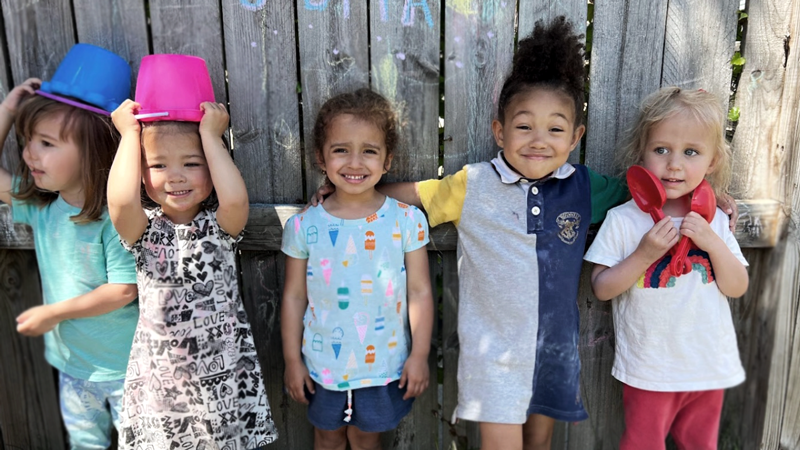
360	440
330	440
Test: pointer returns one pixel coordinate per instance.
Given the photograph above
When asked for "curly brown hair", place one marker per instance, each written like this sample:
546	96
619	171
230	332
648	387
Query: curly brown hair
551	57
96	139
365	104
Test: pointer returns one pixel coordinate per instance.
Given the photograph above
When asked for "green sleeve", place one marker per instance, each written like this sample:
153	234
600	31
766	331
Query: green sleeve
607	192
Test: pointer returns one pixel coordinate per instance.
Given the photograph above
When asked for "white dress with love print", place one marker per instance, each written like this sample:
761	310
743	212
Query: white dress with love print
193	380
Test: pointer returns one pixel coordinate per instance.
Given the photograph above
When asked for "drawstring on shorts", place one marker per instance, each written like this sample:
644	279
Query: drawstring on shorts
349	411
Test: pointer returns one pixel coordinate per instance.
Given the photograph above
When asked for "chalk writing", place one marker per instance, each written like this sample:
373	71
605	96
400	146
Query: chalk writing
253	5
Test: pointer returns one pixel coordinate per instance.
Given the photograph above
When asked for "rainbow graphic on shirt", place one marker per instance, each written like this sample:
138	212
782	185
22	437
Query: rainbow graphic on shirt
658	276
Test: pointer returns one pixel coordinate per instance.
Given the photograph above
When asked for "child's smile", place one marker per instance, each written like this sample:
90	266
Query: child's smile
354	156
539	132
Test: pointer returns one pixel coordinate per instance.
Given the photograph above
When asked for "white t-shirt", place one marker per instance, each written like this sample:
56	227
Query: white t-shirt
672	334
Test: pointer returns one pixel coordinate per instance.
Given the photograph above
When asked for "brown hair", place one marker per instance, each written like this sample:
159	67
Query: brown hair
365	105
174	127
96	139
704	107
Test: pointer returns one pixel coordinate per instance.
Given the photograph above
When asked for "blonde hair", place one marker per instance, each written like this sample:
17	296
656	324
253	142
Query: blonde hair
667	102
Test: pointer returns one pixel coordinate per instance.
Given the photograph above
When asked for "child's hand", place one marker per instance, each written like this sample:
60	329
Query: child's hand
215	119
696	228
415	376
36	321
295	378
15	97
123	117
728	204
319	196
657	242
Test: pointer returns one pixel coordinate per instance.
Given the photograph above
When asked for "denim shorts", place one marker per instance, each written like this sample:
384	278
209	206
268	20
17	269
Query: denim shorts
375	409
89	408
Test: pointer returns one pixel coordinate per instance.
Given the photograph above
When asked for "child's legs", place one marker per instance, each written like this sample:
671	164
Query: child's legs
330	440
500	436
361	440
537	432
697	424
83	408
648	417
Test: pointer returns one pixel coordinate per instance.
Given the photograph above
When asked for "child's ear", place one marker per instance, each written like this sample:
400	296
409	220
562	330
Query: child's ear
577	135
497	130
388	163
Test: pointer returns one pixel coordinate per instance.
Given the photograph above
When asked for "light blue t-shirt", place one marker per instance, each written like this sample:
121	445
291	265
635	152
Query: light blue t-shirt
73	260
356	330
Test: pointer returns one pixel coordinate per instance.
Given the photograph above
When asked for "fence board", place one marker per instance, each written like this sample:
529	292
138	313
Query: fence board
404	54
191	27
30	415
334	58
698	46
626	66
262	72
117	25
10	157
479	44
757	157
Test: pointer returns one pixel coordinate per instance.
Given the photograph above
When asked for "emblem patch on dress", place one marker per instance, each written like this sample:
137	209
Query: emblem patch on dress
569	222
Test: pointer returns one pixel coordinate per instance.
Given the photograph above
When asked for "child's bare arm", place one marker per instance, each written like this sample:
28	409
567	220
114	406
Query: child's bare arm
8	113
405	192
730	273
293	306
125	177
420	318
103	299
609	282
231	191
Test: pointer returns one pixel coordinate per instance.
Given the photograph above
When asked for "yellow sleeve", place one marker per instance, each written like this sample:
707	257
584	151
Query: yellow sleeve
443	199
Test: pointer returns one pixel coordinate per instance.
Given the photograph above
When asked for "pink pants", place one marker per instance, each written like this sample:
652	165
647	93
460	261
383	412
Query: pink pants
692	418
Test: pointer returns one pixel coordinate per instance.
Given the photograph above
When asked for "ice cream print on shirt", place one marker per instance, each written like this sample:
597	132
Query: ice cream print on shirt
658	275
355	327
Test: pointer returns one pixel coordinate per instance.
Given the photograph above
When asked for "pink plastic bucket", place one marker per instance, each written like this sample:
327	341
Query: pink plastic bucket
171	87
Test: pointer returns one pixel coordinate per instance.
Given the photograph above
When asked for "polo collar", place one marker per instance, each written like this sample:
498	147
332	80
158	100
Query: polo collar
510	176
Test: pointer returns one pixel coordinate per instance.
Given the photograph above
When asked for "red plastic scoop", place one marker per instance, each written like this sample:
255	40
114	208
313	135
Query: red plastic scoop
647	192
704	202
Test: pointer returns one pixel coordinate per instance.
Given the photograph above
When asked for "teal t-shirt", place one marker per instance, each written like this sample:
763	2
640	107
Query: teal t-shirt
73	260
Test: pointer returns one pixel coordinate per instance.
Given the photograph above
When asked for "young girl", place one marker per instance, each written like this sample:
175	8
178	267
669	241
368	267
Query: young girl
88	280
356	282
193	376
675	343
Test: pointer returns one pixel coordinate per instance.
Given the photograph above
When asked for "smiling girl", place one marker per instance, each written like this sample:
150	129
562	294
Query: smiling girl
193	375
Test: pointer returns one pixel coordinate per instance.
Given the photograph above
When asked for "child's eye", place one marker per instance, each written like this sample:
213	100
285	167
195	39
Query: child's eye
690	152
193	164
339	150
46	143
661	150
371	151
523	127
556	130
156	166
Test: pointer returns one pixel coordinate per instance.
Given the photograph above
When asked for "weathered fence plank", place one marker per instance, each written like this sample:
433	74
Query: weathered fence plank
627	55
191	27
29	413
334	58
117	25
262	74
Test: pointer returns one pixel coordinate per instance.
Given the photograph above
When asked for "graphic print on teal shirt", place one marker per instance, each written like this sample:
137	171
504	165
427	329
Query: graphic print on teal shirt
355	329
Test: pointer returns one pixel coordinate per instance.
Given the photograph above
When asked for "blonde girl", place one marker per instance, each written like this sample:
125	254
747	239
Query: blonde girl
675	343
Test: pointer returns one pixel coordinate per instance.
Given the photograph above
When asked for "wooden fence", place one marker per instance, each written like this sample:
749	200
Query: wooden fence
276	61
